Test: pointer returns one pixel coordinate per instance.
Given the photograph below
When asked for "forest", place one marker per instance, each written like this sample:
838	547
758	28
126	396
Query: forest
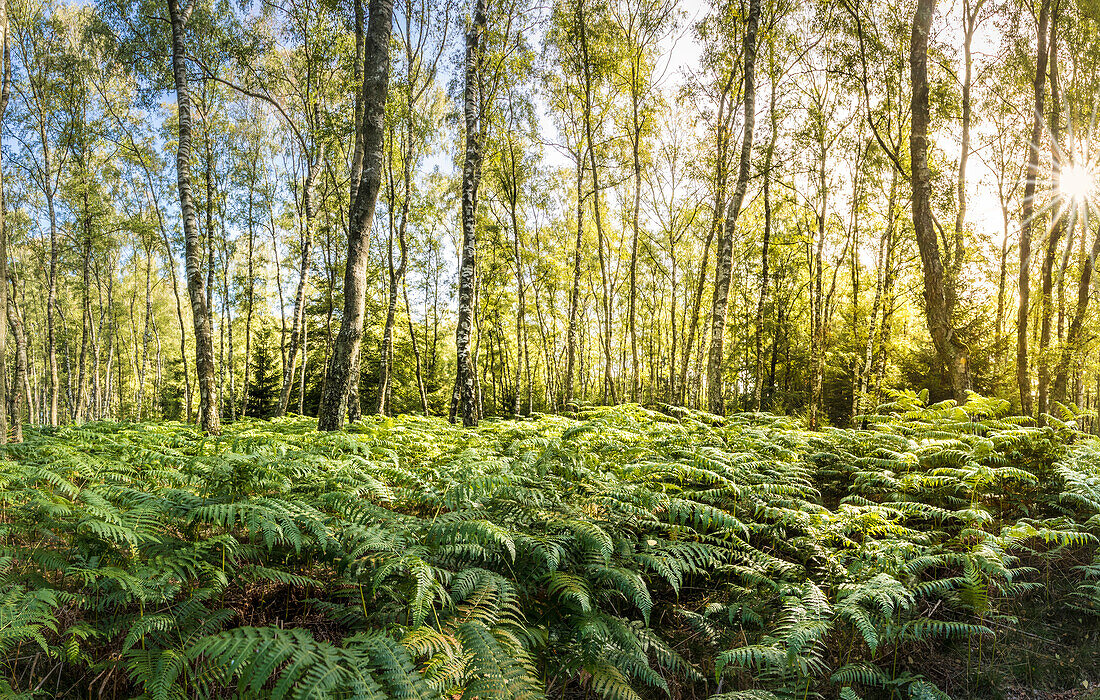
616	349
585	203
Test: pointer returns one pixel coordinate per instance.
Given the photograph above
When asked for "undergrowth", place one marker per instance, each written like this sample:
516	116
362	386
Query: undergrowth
625	554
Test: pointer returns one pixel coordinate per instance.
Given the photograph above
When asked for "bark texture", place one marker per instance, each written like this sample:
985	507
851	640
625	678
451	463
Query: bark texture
1023	374
366	180
5	94
297	329
724	263
952	353
466	390
209	418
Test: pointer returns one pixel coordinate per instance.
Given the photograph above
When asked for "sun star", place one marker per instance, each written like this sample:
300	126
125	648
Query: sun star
1078	182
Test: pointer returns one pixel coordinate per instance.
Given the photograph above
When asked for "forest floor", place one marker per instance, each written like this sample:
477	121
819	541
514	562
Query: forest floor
935	551
1047	652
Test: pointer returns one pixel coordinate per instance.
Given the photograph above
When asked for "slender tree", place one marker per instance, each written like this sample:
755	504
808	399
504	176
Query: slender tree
465	399
366	181
1027	213
5	94
723	270
209	416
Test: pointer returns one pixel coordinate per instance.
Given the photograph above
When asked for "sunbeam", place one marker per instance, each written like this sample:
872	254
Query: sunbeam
1078	183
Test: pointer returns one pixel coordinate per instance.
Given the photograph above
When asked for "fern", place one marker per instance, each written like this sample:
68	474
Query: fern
626	554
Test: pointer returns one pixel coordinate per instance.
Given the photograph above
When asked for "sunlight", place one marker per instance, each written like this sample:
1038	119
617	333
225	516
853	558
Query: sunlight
1078	182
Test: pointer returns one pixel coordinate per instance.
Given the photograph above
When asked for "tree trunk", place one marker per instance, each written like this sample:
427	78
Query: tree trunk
147	333
548	344
330	258
605	299
51	301
696	309
466	383
575	293
1023	375
298	322
723	270
85	312
366	179
158	378
396	273
354	404
521	298
305	363
674	338
1002	280
758	375
97	354
817	301
879	372
204	342
250	297
20	388
884	262
956	257
227	322
416	351
635	147
952	353
1072	347
112	342
278	285
720	176
7	392
1058	214
209	174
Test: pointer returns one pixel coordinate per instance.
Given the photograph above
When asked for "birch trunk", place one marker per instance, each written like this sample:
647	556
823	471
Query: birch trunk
396	273
20	388
299	311
366	180
466	383
85	314
575	292
953	355
636	153
147	333
13	392
883	262
51	299
196	287
1072	347
723	269
605	300
720	177
250	296
1023	374
416	351
1057	225
521	298
762	298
